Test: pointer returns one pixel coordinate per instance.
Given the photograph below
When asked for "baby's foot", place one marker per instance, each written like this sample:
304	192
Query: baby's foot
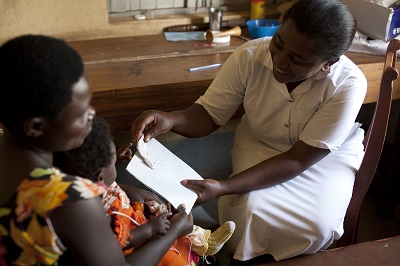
219	237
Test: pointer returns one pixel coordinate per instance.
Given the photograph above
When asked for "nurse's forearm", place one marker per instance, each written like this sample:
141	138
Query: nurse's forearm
268	173
193	122
275	170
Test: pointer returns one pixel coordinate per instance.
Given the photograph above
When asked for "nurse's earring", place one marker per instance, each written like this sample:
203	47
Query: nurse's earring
325	68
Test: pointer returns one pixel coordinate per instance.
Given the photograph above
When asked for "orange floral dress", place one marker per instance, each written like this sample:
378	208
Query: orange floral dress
25	228
127	216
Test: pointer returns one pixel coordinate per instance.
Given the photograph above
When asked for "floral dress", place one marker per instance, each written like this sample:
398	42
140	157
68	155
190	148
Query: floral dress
26	230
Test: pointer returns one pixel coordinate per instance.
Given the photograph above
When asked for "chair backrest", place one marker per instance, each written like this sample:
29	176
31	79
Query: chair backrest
373	143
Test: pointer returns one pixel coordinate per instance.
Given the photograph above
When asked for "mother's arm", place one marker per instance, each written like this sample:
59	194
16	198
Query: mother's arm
85	231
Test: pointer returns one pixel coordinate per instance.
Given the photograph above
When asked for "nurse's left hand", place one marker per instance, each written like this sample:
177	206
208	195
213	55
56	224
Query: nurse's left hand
205	189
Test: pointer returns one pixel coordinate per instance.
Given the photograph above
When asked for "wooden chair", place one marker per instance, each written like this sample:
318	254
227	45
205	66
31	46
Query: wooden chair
373	143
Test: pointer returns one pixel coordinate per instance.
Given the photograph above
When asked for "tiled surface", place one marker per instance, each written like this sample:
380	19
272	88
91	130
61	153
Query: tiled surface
179	3
134	5
118	6
148	4
165	4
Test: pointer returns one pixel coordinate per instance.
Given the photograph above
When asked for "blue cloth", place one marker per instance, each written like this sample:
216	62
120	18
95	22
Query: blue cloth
184	36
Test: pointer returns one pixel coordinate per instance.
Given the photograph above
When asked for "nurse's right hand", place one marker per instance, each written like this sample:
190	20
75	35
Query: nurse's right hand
206	189
151	123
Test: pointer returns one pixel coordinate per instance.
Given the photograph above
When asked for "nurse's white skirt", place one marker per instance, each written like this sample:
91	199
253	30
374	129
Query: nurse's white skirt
300	216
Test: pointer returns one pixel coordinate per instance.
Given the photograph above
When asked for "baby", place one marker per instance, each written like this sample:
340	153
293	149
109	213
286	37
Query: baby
137	215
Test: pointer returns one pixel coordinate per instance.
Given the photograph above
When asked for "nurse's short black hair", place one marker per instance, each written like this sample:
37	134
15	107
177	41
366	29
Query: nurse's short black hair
37	74
93	155
330	22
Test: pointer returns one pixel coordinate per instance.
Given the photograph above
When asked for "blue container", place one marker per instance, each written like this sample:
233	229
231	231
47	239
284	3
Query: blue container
262	27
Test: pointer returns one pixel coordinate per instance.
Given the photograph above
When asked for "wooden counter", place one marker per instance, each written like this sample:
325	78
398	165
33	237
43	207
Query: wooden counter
132	74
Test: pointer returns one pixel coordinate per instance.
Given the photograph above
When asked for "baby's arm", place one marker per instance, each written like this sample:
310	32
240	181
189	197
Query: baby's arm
124	153
155	227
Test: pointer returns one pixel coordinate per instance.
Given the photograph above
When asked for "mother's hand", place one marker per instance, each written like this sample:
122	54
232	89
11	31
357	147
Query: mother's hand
206	190
180	222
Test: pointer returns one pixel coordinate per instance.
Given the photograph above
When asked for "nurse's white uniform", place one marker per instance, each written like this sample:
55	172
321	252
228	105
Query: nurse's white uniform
304	214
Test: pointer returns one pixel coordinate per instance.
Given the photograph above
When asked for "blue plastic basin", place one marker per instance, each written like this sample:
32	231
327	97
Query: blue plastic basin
262	27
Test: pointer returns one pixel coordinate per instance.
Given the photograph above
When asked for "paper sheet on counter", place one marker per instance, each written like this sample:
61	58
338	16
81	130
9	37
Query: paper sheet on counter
165	176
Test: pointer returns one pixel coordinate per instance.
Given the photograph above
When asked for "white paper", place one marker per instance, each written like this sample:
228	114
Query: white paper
141	147
165	176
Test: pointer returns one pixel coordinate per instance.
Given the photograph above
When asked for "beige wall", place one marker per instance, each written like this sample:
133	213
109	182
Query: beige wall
71	20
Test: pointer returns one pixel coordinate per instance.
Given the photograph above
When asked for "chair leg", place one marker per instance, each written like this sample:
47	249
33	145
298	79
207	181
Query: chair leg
391	180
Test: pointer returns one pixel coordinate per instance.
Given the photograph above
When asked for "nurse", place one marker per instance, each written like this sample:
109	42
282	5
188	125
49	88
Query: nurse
297	147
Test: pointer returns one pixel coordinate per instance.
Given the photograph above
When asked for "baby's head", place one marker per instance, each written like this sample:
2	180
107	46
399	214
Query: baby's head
95	159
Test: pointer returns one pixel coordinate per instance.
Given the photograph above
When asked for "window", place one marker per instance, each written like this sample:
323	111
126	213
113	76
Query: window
124	8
